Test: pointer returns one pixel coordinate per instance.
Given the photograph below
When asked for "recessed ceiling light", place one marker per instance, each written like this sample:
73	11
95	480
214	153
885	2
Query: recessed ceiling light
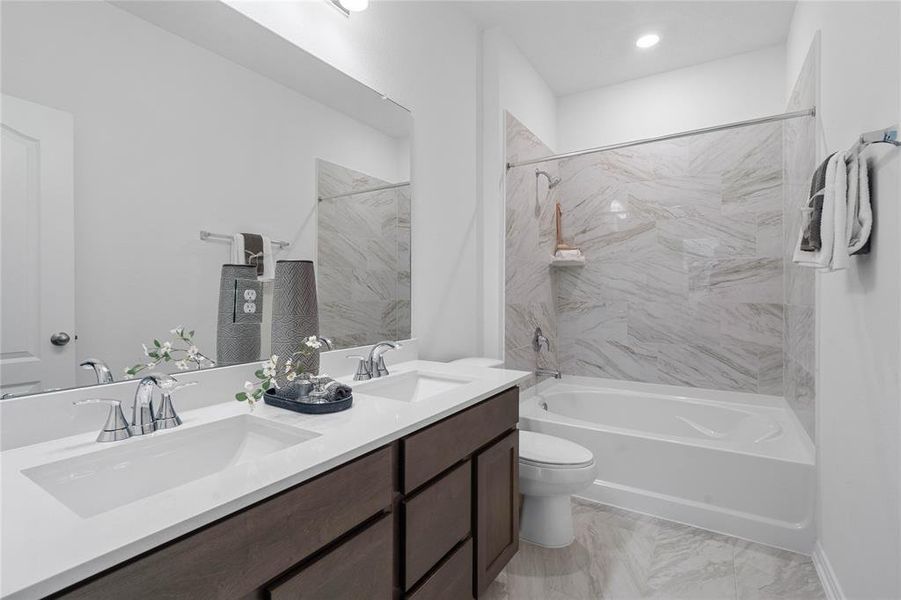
647	40
355	5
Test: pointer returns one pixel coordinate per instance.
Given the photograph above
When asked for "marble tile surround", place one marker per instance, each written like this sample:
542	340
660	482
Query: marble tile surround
363	259
799	161
618	554
529	242
684	279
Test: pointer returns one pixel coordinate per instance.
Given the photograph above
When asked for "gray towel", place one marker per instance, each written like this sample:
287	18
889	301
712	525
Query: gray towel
336	391
254	252
811	240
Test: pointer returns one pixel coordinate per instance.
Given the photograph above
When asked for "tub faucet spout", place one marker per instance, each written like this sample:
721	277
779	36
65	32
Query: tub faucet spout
555	372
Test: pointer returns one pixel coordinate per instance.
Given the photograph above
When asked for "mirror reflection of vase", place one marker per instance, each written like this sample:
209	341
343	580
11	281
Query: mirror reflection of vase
236	342
295	312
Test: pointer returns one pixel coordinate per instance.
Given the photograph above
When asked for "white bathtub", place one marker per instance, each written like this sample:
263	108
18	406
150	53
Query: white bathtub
739	464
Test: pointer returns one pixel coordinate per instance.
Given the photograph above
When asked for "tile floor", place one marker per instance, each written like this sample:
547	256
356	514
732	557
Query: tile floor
618	554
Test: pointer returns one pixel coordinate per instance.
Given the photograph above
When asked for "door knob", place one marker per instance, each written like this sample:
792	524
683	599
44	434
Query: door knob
60	338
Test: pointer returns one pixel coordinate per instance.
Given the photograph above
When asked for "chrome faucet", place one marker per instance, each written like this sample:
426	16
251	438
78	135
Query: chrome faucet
327	341
116	427
104	375
539	342
142	417
373	366
542	371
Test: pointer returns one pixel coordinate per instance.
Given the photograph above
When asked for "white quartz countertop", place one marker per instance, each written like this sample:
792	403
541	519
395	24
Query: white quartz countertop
45	546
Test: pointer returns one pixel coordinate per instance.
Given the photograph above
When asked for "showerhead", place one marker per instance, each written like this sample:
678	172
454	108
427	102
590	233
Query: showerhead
552	182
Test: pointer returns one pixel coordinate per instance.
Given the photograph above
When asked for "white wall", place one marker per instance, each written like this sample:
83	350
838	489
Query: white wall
171	139
509	83
736	88
858	320
425	56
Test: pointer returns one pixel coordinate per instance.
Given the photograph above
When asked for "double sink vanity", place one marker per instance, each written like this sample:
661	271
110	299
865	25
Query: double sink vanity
413	493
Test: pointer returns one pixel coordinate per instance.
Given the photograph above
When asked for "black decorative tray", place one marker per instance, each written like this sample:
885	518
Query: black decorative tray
273	399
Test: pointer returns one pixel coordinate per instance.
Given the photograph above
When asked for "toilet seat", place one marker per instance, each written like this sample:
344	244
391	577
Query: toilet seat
540	450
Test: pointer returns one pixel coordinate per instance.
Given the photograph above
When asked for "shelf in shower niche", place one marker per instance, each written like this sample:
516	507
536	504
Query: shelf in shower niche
559	263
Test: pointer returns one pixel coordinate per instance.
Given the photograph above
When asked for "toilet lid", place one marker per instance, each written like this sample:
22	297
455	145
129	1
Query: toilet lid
542	449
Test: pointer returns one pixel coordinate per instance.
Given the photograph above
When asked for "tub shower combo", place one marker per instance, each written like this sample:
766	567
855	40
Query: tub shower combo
674	335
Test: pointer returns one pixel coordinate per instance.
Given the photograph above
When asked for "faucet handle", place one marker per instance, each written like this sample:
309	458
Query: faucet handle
166	417
116	426
539	340
363	369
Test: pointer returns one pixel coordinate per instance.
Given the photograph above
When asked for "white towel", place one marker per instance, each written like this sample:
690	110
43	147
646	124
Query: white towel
833	252
268	261
239	258
860	213
238	250
840	199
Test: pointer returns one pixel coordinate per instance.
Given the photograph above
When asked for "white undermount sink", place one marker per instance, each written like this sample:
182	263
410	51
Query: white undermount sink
123	472
410	387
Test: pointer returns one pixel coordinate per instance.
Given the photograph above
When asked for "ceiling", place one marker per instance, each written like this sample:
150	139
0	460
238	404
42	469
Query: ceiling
578	45
230	34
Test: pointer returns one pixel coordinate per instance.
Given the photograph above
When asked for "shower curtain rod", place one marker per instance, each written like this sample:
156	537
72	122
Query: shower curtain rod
389	186
808	112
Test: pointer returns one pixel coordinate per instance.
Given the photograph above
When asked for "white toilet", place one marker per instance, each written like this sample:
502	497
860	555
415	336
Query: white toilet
551	469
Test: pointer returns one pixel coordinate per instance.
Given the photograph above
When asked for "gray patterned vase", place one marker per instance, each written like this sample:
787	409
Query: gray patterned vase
295	312
237	337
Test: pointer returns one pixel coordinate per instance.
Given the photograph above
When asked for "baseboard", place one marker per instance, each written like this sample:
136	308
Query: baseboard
828	580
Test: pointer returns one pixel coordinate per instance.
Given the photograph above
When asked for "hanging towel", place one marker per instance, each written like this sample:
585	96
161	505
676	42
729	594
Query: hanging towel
833	215
860	213
813	212
254	249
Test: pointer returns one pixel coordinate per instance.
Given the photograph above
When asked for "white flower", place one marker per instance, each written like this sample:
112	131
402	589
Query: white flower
269	367
313	342
194	352
250	386
291	376
177	331
182	365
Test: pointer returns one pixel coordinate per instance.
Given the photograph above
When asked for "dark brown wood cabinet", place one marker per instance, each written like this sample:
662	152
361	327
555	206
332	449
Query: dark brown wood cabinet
497	508
436	519
430	517
239	554
452	580
361	567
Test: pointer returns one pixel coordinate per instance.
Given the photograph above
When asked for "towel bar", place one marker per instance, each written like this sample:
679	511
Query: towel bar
889	135
205	235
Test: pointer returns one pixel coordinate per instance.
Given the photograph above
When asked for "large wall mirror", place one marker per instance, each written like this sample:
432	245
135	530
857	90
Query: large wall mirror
138	138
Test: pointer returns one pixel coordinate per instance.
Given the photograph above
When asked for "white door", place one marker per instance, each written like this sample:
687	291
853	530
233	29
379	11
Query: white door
37	245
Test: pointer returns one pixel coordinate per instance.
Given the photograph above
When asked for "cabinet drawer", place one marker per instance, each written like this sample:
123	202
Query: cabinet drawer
436	519
434	449
361	567
240	553
452	580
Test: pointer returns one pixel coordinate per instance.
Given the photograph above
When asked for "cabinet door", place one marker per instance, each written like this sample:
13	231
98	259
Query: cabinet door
497	514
